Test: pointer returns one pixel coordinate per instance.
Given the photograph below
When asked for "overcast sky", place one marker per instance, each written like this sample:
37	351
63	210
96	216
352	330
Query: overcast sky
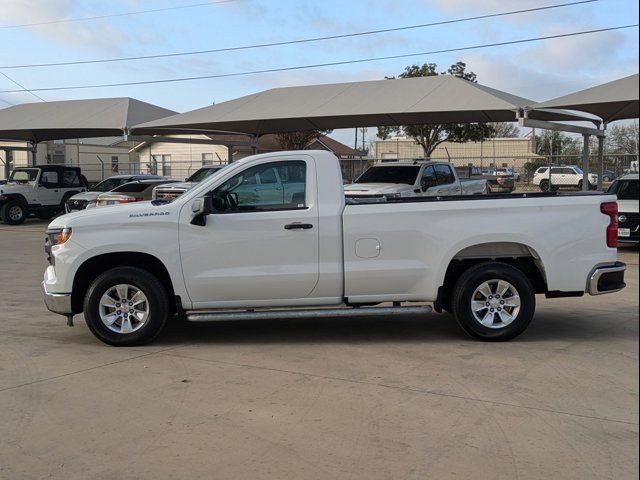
539	70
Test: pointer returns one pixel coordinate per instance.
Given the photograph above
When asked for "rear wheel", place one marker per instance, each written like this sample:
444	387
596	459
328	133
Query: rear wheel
126	306
580	185
14	213
493	301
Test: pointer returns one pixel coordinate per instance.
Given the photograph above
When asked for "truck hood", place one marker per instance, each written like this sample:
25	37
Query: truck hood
114	215
377	188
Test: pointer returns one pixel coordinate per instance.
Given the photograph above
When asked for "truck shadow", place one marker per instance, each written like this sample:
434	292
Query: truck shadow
431	328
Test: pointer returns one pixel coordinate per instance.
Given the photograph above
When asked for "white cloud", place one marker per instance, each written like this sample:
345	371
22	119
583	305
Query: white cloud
101	35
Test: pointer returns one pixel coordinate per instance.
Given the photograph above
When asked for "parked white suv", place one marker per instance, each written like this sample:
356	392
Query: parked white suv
561	177
626	189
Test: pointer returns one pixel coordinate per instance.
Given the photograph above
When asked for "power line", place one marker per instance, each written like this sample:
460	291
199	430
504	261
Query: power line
328	64
6	101
123	14
24	89
299	41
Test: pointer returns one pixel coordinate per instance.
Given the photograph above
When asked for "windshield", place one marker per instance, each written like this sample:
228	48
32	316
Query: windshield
201	174
390	174
109	184
625	189
24	175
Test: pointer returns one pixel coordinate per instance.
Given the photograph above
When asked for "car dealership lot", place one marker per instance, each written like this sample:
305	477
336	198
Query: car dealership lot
381	398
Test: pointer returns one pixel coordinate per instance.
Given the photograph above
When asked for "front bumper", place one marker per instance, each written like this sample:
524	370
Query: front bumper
606	279
57	302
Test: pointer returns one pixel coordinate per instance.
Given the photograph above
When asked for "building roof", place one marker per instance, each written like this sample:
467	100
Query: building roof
270	143
421	100
610	101
102	117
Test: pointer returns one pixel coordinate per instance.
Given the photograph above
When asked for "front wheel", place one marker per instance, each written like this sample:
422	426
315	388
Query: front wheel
14	213
493	301
126	306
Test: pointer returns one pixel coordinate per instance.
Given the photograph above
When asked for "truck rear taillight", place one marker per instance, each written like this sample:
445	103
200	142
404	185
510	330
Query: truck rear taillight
131	200
611	209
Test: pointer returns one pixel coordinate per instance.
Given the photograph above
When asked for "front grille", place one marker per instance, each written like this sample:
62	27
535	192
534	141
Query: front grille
77	204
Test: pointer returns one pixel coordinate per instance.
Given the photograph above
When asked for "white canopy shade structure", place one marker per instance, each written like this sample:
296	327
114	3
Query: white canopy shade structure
102	117
422	100
617	100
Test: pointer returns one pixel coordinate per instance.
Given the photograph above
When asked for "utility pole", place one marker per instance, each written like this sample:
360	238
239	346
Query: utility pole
355	144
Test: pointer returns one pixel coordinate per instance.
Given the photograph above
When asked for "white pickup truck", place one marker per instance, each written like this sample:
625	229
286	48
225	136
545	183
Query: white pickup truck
224	250
418	179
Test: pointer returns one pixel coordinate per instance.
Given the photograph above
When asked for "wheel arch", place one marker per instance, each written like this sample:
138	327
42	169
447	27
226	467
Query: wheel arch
91	268
518	254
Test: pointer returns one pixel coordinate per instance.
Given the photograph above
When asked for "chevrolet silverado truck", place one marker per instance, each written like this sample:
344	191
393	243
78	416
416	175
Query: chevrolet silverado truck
237	247
42	190
390	180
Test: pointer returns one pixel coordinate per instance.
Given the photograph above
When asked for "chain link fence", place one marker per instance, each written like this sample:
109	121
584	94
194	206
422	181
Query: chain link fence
527	174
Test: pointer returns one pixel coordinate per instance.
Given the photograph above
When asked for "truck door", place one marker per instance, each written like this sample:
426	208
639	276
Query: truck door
48	189
256	246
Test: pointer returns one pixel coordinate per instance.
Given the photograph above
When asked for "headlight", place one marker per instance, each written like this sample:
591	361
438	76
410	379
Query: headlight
91	204
58	236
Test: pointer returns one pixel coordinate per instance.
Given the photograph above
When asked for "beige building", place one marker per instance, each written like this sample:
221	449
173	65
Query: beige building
179	160
498	152
97	160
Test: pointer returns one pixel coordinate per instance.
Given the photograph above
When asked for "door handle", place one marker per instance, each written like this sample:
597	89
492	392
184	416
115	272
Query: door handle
298	226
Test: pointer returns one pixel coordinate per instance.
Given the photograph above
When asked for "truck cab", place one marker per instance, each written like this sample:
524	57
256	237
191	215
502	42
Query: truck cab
391	180
42	190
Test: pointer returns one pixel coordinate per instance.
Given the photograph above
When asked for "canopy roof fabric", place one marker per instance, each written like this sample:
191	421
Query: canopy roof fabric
611	101
437	99
58	120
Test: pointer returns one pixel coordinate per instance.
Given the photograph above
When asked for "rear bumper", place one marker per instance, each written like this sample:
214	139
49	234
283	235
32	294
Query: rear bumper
606	279
57	302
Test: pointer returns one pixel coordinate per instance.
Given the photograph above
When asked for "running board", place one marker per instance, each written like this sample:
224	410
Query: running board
197	316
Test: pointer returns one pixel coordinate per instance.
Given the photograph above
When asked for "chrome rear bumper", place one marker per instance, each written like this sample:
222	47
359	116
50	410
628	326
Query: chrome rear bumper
606	279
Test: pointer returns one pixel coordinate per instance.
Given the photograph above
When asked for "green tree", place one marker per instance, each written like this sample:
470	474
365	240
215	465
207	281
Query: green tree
560	146
429	136
299	140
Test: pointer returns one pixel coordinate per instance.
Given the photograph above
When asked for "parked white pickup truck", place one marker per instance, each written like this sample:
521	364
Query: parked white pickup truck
225	251
418	179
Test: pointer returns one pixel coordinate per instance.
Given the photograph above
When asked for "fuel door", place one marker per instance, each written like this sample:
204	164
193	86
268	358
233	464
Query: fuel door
367	248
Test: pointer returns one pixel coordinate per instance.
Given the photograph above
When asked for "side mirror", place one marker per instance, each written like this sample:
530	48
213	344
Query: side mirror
201	207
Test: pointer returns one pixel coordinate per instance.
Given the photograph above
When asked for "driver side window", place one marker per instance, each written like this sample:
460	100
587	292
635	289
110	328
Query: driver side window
49	179
428	179
241	193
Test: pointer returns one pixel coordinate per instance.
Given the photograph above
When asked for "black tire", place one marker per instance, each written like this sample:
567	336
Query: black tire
580	185
14	213
463	295
144	281
544	185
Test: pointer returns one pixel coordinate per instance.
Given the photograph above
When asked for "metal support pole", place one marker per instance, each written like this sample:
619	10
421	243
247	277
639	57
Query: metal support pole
600	162
585	162
254	145
7	164
229	154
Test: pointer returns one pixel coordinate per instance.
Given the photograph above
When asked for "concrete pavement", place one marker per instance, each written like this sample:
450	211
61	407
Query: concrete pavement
316	399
